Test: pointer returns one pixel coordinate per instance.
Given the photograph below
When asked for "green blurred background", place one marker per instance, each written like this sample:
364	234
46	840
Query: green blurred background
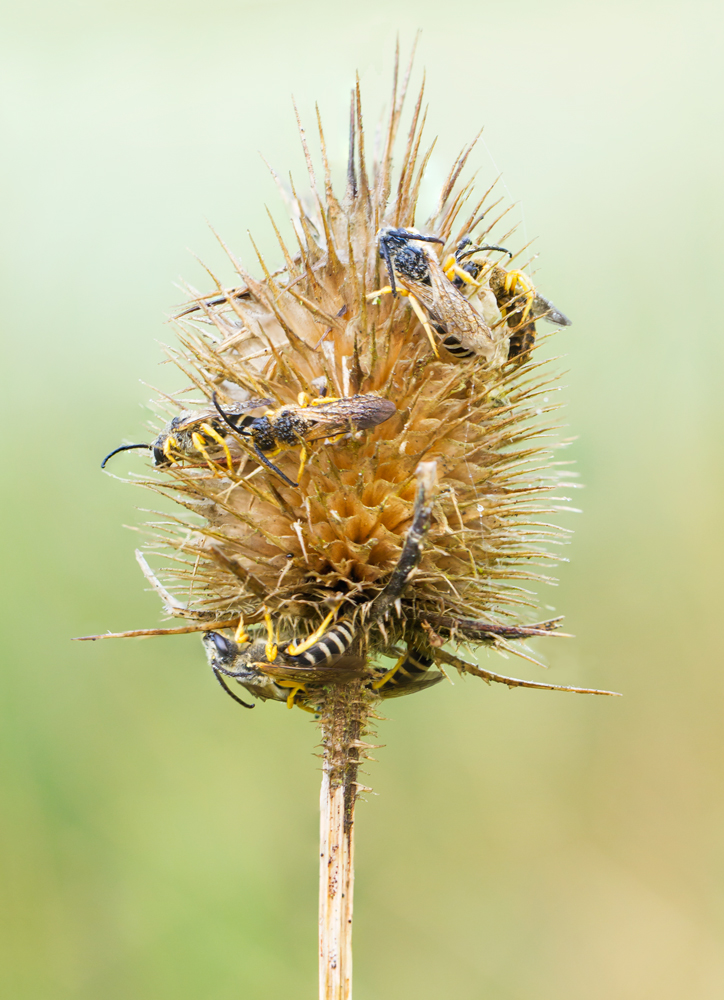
157	842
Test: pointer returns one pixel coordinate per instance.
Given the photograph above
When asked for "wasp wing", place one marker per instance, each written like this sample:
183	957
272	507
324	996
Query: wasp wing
418	684
340	416
345	667
544	309
236	409
451	311
188	420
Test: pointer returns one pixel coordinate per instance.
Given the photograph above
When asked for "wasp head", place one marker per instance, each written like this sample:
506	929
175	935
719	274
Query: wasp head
228	656
397	253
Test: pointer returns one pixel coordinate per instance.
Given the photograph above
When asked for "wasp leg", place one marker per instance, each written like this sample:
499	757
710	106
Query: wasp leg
271	645
420	313
412	666
208	429
228	690
412	549
200	446
241	635
512	279
168	444
390	674
302	462
295	650
295	689
387	290
319	401
451	268
306	708
262	458
467	278
304	399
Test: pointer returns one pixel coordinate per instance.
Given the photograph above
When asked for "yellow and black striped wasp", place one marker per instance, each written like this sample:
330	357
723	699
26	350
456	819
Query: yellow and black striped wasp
519	302
437	302
276	671
314	420
282	672
191	434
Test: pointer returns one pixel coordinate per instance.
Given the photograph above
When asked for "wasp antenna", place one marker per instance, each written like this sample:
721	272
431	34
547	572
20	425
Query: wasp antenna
270	465
250	404
228	690
222	414
124	447
485	246
494	246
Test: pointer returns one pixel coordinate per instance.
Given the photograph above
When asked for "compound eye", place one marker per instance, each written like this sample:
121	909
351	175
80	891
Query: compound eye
159	458
221	643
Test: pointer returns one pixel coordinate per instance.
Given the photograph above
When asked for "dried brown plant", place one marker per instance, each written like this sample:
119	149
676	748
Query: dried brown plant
424	528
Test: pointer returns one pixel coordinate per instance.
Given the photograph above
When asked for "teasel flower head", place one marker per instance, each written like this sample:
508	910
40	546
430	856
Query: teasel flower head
364	473
263	537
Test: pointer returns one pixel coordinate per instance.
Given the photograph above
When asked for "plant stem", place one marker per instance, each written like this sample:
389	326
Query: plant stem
343	715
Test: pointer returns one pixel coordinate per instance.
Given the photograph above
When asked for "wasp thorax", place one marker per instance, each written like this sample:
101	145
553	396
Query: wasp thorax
413	264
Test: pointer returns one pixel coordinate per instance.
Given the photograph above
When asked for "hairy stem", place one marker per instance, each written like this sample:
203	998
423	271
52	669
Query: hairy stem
343	716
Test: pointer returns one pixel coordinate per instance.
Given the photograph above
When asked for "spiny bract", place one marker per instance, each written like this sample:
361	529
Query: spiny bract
256	545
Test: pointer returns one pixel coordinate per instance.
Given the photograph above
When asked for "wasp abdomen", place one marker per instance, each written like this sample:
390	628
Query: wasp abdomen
334	643
453	346
411	669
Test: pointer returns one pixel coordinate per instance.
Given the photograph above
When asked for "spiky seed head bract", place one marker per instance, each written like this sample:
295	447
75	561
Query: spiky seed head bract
249	543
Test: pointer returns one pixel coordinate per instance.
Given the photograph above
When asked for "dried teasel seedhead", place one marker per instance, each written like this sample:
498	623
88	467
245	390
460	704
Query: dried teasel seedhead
254	544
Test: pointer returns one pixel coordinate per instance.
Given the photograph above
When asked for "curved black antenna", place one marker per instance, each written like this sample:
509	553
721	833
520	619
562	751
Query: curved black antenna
124	447
485	246
242	431
228	690
409	235
262	458
425	239
250	404
222	414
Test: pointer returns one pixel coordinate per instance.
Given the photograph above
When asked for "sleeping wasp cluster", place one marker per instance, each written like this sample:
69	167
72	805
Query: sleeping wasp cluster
362	481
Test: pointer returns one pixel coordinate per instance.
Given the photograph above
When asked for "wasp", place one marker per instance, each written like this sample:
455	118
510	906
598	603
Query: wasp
435	299
277	671
312	420
189	434
193	433
519	302
282	672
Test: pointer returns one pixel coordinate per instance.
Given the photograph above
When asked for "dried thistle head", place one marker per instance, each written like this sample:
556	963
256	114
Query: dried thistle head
418	525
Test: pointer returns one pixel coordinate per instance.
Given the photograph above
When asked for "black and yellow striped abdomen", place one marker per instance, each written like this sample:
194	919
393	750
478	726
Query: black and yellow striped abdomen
411	673
333	643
